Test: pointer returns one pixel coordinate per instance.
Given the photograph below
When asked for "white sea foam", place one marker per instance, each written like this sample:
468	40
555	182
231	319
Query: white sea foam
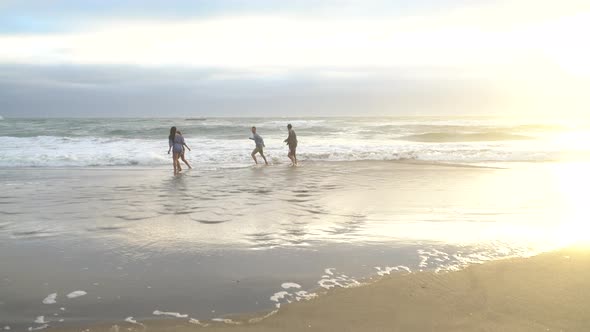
168	313
276	297
381	271
50	299
76	294
332	279
304	295
439	261
94	152
42	327
197	322
131	320
225	321
40	320
6	328
225	142
259	319
287	285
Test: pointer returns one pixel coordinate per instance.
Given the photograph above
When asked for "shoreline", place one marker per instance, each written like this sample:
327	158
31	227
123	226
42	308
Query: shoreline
547	292
209	244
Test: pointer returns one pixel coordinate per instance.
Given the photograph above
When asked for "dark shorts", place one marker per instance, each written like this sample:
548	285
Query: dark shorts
292	148
258	149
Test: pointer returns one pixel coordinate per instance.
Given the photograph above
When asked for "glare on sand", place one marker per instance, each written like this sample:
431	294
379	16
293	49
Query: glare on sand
573	181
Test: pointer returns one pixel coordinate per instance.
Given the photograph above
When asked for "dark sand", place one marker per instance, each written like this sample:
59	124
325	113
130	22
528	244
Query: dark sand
549	292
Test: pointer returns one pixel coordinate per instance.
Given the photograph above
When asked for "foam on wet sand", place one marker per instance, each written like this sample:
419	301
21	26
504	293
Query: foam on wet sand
546	292
76	294
40	320
50	299
171	314
287	285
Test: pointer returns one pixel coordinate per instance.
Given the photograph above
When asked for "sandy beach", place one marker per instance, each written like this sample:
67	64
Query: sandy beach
549	292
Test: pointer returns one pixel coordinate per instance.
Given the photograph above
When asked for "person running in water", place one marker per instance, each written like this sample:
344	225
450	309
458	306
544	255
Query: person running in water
292	143
182	153
175	143
259	146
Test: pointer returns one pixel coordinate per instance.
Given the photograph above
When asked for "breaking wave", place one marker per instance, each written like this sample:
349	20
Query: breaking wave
464	137
224	142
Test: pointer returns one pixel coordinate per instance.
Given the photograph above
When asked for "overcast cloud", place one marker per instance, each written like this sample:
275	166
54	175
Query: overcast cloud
261	57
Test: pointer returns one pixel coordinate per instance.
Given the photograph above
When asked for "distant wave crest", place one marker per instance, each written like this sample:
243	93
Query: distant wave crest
464	137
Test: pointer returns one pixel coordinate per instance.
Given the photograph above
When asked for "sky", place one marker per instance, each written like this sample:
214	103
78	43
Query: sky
96	58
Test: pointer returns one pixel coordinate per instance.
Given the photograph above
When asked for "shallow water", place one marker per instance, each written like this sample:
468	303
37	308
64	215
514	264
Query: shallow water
213	242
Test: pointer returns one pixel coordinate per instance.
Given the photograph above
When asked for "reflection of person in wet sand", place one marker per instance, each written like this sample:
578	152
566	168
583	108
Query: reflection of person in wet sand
259	146
292	143
182	153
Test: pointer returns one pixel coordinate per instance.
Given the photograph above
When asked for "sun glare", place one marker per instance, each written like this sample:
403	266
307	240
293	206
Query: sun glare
573	181
576	141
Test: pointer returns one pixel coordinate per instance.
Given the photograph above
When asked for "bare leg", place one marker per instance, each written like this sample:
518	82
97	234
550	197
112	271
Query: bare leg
263	157
175	162
184	161
295	157
254	157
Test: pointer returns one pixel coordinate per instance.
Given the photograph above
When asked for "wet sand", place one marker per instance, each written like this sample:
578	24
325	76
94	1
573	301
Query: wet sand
549	292
210	243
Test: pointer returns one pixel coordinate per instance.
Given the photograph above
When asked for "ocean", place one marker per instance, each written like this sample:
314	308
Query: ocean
223	142
96	229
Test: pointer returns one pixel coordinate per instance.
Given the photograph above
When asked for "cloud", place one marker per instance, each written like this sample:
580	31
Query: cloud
75	10
136	91
498	36
495	55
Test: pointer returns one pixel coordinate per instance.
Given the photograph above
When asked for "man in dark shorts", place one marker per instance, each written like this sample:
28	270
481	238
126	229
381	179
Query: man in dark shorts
292	143
259	146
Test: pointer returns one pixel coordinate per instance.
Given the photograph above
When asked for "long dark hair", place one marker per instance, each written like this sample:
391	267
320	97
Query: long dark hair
172	133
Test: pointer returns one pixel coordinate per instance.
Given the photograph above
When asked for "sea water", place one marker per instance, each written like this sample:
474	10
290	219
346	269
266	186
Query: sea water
223	142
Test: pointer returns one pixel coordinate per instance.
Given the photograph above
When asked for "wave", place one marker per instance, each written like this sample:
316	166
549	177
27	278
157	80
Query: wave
464	137
50	151
437	156
417	130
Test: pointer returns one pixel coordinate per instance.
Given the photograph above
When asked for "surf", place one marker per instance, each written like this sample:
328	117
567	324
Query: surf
465	137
